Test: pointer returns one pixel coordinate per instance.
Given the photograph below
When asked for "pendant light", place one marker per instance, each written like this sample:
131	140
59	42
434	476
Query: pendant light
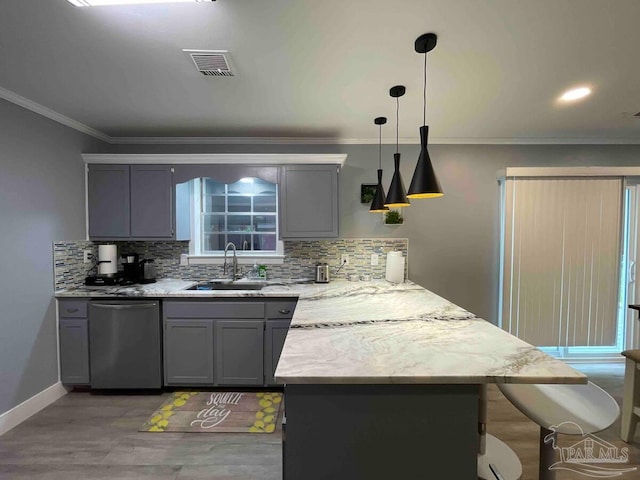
397	196
377	205
424	183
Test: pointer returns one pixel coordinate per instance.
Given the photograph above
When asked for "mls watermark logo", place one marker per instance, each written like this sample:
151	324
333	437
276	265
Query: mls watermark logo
590	456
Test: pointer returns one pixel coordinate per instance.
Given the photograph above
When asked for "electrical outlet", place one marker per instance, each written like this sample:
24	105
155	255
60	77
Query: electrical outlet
87	256
344	259
184	259
374	259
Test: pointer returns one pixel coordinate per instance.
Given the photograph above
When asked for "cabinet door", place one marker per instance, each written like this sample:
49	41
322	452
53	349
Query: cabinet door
309	201
108	201
151	201
239	352
275	334
188	352
74	351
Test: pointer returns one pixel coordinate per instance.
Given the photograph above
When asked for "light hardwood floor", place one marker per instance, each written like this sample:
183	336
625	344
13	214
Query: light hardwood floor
95	437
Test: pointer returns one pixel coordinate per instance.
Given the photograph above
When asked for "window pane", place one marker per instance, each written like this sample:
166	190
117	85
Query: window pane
213	242
264	242
214	203
211	187
239	203
244	185
213	223
239	223
264	223
240	240
262	186
233	212
264	203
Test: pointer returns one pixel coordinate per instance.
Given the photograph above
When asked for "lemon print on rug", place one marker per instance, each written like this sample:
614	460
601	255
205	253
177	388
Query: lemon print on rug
206	412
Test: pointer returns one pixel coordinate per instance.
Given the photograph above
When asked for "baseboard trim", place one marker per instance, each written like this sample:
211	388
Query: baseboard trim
31	406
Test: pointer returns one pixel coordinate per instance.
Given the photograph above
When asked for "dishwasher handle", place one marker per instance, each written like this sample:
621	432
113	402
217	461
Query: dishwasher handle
128	306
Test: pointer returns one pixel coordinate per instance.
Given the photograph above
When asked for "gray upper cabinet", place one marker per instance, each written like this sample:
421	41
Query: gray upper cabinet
108	197
151	201
73	328
130	202
309	201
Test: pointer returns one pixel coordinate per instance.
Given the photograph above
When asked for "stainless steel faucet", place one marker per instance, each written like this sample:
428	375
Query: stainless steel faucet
235	260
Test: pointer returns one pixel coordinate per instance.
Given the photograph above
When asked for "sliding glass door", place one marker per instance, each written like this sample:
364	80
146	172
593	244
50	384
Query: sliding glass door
564	266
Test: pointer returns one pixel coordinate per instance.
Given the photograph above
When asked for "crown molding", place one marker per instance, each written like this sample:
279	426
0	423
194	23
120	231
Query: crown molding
215	158
52	115
81	127
369	141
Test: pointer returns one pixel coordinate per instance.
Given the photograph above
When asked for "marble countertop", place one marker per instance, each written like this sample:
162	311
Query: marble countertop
174	288
378	333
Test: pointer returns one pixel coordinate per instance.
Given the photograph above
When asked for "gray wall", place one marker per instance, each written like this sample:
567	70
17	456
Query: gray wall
41	200
453	240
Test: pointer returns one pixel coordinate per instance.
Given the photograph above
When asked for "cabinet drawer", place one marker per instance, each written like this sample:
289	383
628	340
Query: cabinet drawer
72	308
214	310
281	309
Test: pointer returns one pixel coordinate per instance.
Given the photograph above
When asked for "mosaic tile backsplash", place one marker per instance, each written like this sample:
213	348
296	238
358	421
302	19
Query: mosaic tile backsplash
301	257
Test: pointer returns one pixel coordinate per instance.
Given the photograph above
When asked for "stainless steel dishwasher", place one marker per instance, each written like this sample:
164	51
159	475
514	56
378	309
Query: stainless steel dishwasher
124	344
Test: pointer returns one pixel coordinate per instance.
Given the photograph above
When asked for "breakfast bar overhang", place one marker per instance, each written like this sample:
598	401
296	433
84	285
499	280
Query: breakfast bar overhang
385	381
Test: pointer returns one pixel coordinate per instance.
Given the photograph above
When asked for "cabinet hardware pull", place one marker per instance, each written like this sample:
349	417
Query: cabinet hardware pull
72	310
123	306
284	312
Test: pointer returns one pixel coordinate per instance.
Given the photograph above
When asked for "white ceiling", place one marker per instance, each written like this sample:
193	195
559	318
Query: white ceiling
322	69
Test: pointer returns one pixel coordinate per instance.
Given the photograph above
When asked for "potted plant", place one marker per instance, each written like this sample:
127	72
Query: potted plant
393	217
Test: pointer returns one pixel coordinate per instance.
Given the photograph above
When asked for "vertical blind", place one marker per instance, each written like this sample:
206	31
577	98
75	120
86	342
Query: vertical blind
561	256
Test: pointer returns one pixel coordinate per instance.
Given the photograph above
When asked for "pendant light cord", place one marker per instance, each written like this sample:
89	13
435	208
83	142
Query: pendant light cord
380	148
397	127
424	95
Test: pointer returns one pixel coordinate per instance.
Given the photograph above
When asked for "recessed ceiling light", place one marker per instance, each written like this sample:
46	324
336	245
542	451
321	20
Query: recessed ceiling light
100	3
575	94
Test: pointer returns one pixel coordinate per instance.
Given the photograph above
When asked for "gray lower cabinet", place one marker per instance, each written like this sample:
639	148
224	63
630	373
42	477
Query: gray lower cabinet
238	352
188	352
73	326
278	318
304	189
214	342
274	336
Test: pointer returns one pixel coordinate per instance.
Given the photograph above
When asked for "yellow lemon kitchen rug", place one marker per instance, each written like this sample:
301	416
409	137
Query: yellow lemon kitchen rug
253	412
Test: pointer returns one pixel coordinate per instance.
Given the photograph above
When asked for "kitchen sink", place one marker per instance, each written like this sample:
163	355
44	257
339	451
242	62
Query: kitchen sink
228	285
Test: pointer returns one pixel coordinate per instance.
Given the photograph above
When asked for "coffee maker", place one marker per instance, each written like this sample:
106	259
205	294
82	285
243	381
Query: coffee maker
130	268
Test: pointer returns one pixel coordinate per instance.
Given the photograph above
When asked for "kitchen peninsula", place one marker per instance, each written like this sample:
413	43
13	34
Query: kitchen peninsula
385	381
381	380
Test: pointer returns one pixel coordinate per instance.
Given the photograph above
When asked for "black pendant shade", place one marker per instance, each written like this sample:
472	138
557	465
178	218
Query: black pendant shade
424	183
397	196
377	205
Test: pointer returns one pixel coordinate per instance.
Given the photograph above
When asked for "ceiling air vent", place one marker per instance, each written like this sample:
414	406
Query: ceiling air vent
212	63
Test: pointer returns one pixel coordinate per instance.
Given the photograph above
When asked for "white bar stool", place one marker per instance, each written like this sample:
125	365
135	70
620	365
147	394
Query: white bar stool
631	395
569	409
493	451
